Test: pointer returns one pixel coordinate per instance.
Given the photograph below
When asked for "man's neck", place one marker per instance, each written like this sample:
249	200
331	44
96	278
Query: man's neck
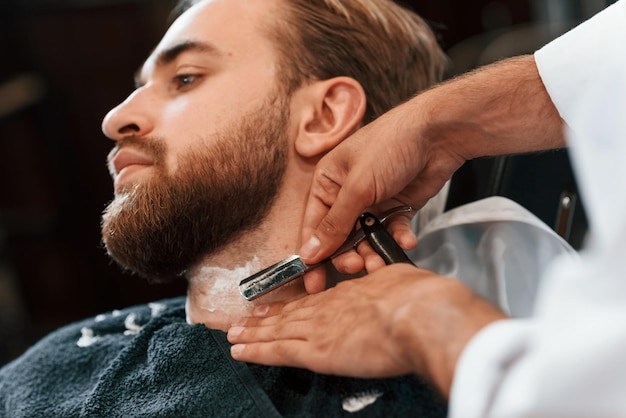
213	296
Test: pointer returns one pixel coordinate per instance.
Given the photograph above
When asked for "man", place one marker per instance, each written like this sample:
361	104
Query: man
568	358
213	155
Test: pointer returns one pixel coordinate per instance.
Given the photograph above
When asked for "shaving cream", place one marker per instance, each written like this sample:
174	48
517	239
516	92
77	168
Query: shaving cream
215	290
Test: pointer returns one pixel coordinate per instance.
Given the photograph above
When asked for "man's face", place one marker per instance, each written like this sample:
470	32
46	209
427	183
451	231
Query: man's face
201	143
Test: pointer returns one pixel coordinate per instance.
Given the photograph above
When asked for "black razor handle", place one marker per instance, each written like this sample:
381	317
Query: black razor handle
381	241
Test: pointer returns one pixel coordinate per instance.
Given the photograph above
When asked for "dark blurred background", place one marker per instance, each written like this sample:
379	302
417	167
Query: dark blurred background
65	63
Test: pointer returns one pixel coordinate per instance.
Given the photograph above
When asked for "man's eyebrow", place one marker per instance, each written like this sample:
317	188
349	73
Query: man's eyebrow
170	54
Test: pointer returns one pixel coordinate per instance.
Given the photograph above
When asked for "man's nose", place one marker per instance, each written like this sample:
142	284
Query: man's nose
132	117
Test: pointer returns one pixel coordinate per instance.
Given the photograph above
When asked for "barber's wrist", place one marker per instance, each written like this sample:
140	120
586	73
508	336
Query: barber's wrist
444	129
419	331
433	328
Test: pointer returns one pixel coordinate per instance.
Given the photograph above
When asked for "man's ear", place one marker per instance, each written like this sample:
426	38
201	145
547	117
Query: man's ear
333	109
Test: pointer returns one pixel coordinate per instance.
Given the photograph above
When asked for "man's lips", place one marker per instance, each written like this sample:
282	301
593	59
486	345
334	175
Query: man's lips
127	161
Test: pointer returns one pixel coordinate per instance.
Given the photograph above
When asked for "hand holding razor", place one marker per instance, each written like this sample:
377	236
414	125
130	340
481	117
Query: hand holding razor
293	267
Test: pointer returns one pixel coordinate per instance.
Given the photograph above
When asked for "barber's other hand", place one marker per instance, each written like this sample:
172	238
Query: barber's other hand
397	320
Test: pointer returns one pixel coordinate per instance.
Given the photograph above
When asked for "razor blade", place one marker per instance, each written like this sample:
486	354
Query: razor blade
293	267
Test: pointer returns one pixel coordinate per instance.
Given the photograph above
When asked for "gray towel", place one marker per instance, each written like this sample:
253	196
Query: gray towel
146	361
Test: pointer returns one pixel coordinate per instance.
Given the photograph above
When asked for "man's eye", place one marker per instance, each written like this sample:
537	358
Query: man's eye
184	80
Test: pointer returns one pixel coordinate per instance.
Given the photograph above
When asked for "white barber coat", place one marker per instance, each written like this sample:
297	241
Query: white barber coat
569	358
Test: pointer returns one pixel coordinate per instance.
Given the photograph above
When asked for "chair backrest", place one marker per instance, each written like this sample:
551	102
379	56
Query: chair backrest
543	183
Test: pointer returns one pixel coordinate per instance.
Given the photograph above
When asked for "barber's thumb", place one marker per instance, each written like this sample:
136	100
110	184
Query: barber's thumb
330	233
311	248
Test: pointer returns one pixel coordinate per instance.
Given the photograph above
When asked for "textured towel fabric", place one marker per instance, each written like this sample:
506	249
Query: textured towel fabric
146	361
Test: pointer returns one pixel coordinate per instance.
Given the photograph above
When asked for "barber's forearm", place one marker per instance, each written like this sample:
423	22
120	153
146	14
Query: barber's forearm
499	109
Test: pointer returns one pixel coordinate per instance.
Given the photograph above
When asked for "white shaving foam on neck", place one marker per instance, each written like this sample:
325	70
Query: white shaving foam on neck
221	287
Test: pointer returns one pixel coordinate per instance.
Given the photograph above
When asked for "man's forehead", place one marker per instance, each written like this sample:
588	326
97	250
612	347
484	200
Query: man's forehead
229	18
223	24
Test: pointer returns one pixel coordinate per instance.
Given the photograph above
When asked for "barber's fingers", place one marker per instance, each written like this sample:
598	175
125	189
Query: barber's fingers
272	314
323	333
347	263
325	187
366	258
275	343
330	216
373	261
275	353
315	280
341	189
402	232
367	360
326	228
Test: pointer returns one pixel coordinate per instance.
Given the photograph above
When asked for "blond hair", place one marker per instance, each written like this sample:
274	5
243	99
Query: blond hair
388	49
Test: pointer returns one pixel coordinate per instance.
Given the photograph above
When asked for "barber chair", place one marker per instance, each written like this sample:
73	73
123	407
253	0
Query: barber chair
543	183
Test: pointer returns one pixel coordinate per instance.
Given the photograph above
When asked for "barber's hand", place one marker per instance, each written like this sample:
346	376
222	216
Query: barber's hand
397	320
385	164
407	154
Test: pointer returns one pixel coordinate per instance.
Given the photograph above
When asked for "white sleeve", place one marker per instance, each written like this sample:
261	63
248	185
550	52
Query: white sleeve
584	72
569	359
